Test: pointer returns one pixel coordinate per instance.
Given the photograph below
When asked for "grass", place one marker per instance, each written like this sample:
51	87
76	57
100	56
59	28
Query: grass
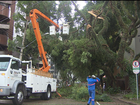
132	97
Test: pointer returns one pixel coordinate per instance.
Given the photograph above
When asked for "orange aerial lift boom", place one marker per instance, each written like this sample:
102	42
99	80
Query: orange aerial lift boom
34	13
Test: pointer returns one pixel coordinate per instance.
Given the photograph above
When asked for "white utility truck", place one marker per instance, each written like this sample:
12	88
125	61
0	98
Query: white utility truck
16	84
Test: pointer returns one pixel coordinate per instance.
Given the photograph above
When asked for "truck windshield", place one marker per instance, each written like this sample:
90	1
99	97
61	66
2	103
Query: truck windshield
4	62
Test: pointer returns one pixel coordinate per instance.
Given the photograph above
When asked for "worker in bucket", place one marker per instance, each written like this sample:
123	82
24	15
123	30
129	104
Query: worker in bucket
91	88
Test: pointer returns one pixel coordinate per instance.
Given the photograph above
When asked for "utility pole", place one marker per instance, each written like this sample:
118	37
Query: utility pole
21	51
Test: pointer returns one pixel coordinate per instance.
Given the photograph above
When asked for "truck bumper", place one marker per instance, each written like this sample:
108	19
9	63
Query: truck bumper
4	91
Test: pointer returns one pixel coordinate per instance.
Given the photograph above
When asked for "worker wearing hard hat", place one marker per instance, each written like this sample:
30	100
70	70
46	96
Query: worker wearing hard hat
91	87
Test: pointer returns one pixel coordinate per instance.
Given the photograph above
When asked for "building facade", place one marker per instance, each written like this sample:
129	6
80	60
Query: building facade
7	9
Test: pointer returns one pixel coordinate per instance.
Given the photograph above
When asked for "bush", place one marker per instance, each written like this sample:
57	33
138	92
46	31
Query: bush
80	92
105	98
65	91
112	90
131	96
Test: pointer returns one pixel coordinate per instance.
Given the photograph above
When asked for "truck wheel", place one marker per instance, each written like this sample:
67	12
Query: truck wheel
46	95
48	92
19	96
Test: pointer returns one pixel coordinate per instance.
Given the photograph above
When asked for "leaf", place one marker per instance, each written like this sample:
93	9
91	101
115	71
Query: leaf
84	57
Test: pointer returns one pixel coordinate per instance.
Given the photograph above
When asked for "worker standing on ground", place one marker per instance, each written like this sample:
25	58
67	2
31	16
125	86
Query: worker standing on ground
91	87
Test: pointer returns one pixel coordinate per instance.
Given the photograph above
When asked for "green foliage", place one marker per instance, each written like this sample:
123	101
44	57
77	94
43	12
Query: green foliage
80	92
112	90
65	91
11	45
132	79
111	36
104	98
14	44
131	96
79	57
84	56
65	10
132	83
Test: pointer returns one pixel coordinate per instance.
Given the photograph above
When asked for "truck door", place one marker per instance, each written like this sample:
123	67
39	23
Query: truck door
15	72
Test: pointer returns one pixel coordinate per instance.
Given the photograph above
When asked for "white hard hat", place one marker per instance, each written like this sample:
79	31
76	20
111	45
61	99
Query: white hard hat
93	76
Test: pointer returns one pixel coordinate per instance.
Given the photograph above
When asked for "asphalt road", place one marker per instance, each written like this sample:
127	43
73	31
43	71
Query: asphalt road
60	101
53	101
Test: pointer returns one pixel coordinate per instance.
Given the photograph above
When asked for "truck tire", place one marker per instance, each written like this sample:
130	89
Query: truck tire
46	95
19	96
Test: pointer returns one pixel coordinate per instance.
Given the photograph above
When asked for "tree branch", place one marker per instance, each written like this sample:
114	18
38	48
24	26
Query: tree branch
123	44
105	27
77	29
118	15
132	36
131	17
137	57
106	2
127	12
135	8
137	23
80	12
129	50
94	33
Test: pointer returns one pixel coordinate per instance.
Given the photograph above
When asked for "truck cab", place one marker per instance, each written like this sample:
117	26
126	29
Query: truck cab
10	70
11	78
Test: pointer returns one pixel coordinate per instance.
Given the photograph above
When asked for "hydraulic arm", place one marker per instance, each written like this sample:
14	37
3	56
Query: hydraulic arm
34	14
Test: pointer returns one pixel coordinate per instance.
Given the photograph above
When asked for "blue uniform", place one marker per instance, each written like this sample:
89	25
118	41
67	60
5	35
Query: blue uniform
91	88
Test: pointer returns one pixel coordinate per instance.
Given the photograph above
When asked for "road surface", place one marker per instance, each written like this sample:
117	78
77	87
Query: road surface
60	101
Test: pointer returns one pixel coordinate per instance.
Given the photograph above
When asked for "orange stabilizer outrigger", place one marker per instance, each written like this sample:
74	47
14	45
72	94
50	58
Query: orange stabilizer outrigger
58	93
34	13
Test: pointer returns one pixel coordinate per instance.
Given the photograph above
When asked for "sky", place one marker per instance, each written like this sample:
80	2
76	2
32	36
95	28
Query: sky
81	4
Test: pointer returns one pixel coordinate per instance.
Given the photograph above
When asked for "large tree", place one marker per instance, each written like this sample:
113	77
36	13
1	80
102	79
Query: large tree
111	28
105	31
100	42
